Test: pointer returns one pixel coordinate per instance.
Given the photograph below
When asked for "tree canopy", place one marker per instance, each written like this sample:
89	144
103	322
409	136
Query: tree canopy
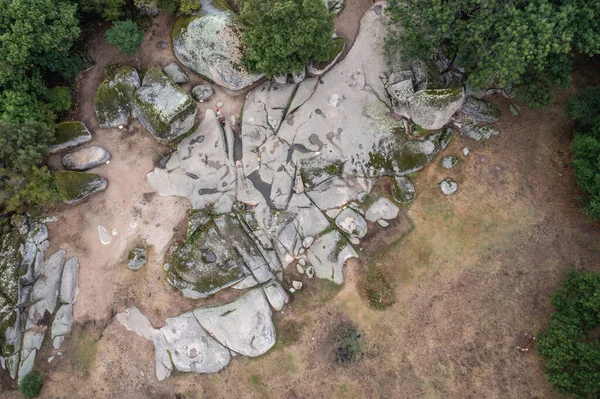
281	36
573	356
501	42
126	36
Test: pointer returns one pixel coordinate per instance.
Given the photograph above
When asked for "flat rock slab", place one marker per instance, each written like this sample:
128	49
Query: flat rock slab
382	209
75	187
328	254
276	295
69	134
86	158
46	288
244	326
68	285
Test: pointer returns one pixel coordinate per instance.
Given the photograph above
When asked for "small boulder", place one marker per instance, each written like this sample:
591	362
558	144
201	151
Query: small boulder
403	189
202	92
335	6
352	223
69	134
448	186
382	209
297	285
74	187
299	77
276	295
175	72
137	258
310	272
383	223
432	109
449	162
86	158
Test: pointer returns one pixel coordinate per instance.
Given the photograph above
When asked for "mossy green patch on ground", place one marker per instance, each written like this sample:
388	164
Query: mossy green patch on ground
309	174
75	186
67	131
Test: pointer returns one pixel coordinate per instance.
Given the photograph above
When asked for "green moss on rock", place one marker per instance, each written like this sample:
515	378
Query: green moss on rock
69	134
114	97
74	187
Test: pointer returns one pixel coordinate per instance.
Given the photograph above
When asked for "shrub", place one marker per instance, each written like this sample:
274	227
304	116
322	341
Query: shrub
573	356
189	6
126	36
380	294
282	36
31	385
349	346
585	109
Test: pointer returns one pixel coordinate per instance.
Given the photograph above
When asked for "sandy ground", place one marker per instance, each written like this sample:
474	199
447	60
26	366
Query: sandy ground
473	273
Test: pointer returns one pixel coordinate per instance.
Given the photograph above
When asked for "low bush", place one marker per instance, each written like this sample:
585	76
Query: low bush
349	345
31	385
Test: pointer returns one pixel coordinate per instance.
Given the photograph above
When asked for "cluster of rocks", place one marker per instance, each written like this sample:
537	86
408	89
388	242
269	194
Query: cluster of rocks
157	101
31	292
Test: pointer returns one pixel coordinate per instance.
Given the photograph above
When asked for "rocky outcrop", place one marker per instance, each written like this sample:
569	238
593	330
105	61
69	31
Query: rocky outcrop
162	107
85	159
113	102
69	134
209	44
202	92
432	108
75	187
137	258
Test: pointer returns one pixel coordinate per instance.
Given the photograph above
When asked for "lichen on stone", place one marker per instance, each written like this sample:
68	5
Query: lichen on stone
74	187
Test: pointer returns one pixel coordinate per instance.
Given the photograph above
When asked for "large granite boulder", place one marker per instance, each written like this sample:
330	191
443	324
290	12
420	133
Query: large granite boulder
209	44
244	325
86	158
75	187
113	102
162	107
432	108
69	134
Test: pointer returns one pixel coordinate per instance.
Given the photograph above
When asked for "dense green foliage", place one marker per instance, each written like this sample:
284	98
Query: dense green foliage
585	110
126	36
35	41
31	385
281	36
501	42
569	345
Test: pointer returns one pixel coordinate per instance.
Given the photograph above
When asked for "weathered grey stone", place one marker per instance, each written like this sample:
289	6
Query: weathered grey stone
449	162
401	93
38	234
383	223
202	92
310	271
209	44
465	151
382	209
68	284
113	102
328	255
69	134
403	189
162	107
26	365
299	268
335	5
276	295
480	110
478	132
63	321
420	72
298	77
338	191
175	72
432	109
133	320
297	285
448	186
137	258
58	341
244	325
86	158
352	223
307	242
281	79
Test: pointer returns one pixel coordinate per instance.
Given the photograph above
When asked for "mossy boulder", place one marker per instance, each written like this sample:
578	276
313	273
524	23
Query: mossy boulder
480	110
209	44
403	190
394	159
217	254
163	107
432	108
69	134
113	102
137	258
10	260
74	187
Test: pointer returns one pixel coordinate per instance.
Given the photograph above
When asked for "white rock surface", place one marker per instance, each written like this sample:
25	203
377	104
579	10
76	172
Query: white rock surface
382	209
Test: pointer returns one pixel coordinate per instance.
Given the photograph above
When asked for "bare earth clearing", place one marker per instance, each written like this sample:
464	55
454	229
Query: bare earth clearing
475	271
